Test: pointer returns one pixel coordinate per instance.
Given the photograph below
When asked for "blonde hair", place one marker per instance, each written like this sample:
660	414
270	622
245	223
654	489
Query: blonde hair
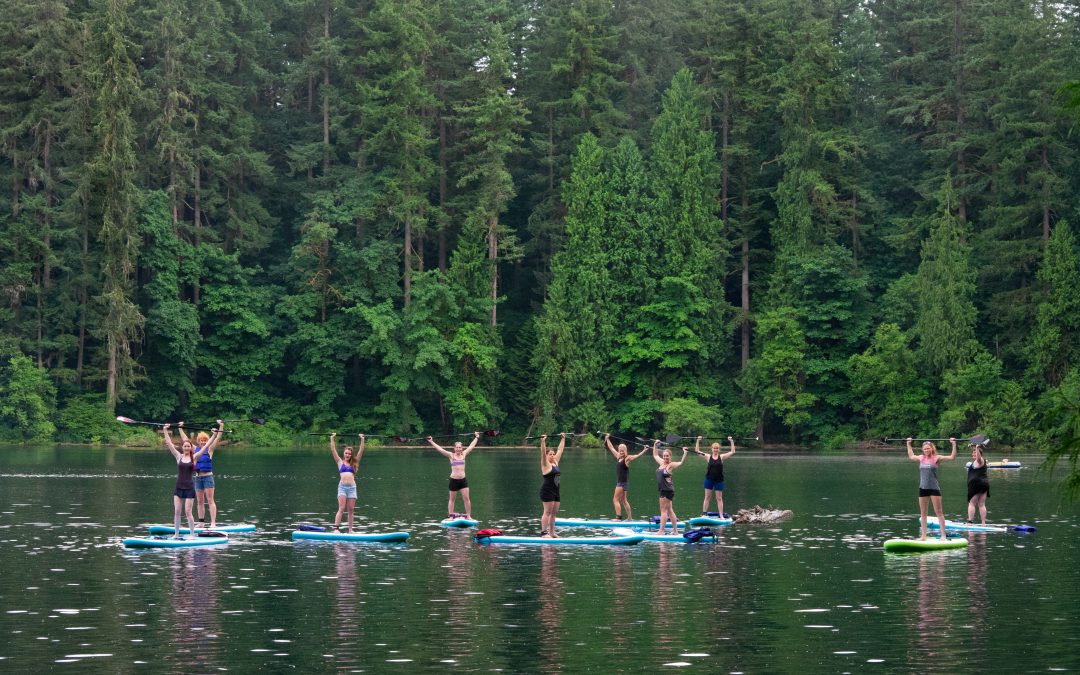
202	438
933	448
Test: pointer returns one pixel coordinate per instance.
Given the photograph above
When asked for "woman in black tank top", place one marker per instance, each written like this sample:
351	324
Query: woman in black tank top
622	476
666	487
714	474
550	493
978	485
184	493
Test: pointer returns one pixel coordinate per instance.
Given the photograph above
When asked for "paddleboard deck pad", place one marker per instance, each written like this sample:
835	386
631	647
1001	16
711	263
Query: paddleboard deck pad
671	538
460	521
920	545
385	537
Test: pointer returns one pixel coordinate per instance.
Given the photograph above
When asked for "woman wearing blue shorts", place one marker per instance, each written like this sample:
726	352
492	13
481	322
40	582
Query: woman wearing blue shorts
346	489
714	474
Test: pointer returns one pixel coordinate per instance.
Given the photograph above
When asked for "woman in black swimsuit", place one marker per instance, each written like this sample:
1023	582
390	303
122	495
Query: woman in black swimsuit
549	491
978	484
666	487
622	476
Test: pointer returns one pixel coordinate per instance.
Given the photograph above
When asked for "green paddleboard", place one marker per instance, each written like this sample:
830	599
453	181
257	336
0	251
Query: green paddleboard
929	544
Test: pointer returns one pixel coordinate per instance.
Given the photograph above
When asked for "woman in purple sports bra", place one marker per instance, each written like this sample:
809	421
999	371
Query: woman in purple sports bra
346	491
458	482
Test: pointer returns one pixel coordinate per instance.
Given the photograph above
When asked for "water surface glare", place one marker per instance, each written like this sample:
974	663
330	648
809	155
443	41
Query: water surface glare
815	593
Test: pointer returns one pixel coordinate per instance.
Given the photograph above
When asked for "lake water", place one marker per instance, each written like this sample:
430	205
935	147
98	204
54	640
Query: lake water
813	594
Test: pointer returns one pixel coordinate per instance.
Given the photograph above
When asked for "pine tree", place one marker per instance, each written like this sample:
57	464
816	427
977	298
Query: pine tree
1053	348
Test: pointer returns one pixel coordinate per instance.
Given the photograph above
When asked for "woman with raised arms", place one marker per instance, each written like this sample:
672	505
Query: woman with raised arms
346	491
666	487
622	476
929	488
458	482
978	484
204	473
184	492
549	491
714	474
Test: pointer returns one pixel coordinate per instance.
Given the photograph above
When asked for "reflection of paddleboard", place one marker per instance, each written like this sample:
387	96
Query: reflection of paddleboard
932	522
648	536
168	529
703	521
385	537
169	542
601	522
460	521
919	545
1003	464
507	539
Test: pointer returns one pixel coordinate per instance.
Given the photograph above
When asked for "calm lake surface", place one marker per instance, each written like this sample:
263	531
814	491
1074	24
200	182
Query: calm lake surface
813	594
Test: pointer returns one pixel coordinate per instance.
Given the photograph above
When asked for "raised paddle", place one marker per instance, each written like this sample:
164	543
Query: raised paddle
255	420
128	420
978	439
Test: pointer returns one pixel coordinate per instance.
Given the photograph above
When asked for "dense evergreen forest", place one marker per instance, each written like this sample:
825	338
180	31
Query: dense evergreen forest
823	221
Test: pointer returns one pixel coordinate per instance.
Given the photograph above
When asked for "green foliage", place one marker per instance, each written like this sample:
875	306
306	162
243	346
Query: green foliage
775	379
1054	346
886	388
1061	425
971	392
27	400
686	416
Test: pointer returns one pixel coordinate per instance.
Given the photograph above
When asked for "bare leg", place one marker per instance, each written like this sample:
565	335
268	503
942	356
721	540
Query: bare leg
200	497
982	506
450	504
178	505
551	518
352	507
971	508
188	504
705	504
616	499
213	507
468	502
626	503
340	509
663	515
940	516
923	503
719	502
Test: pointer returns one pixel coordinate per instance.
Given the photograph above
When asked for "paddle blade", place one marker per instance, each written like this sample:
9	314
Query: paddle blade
491	432
672	438
400	439
125	420
978	439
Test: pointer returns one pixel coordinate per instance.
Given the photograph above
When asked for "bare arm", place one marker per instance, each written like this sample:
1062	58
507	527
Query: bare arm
169	443
211	445
438	447
630	458
952	455
727	455
543	454
333	451
183	436
910	452
681	460
562	446
475	440
656	452
360	448
610	447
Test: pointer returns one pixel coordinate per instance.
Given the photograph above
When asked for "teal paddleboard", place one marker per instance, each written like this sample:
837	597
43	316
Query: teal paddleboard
920	545
706	521
955	525
609	523
168	529
624	540
384	537
670	538
461	521
169	542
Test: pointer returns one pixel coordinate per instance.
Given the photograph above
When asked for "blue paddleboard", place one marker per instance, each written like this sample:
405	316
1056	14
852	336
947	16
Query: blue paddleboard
168	529
169	542
671	538
384	537
460	521
950	525
608	523
608	541
706	521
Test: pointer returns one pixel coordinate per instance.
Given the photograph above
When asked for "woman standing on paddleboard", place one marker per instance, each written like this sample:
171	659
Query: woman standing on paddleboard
978	484
346	489
184	493
458	482
622	476
714	474
666	487
204	472
929	488
549	491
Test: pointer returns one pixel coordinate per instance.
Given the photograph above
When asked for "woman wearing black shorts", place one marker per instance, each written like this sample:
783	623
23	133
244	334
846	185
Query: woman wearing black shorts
978	484
666	487
458	482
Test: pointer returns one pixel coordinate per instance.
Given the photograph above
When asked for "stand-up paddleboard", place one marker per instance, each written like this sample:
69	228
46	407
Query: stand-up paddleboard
168	529
920	545
608	524
383	537
1003	464
459	521
623	540
170	542
672	538
950	525
707	521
